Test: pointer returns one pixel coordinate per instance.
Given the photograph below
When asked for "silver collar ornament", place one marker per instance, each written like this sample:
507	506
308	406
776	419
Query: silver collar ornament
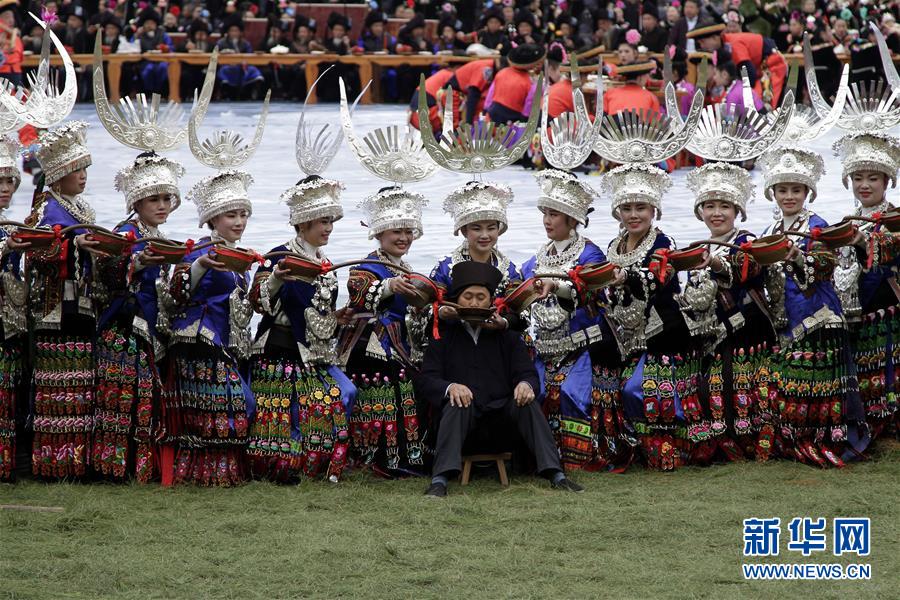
41	103
563	192
480	147
386	152
140	124
721	181
569	139
394	208
225	149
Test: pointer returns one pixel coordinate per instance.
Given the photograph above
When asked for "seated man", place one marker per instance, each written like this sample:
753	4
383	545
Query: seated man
478	372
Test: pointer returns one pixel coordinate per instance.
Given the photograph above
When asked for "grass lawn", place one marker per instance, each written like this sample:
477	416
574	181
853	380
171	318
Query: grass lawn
637	535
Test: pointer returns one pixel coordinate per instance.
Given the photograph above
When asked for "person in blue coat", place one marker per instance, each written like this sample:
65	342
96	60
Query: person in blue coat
385	424
479	214
304	399
821	418
866	275
207	401
130	344
62	308
662	363
564	323
723	303
13	325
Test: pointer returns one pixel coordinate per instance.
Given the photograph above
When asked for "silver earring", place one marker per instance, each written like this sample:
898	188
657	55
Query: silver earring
776	213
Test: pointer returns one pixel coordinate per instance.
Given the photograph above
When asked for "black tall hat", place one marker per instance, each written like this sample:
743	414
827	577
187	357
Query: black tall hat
233	20
468	273
526	55
148	14
524	16
375	16
336	18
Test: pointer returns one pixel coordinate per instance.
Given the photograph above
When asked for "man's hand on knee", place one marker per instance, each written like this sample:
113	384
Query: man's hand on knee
460	396
523	394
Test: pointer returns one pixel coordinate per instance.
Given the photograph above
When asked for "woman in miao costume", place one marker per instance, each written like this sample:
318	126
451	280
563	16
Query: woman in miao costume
62	309
304	399
724	303
13	317
207	403
866	275
564	323
818	406
662	364
129	344
385	420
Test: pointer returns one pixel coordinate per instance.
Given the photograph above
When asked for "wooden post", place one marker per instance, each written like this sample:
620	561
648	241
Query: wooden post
175	79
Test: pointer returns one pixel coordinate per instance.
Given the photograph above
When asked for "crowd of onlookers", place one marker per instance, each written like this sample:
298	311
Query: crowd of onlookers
632	27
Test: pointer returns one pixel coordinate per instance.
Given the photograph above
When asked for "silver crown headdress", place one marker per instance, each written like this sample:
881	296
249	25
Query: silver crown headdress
721	181
636	183
480	147
387	153
563	192
40	103
569	139
791	165
63	151
225	149
478	201
394	208
868	152
9	159
140	124
148	176
220	193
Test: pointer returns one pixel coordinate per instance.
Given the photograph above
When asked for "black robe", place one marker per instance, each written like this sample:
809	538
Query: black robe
491	369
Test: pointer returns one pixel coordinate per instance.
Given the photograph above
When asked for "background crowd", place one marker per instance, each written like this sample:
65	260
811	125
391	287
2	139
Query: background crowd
642	28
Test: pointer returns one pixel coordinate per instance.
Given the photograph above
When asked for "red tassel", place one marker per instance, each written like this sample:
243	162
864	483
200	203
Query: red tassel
663	254
575	276
745	264
435	330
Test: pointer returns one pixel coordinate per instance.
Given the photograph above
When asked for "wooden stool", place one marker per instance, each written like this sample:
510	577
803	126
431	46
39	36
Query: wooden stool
500	459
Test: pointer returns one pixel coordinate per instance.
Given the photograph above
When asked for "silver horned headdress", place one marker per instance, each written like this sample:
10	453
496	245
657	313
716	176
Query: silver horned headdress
386	152
394	208
569	139
874	107
150	175
480	147
721	181
225	149
41	103
563	192
140	124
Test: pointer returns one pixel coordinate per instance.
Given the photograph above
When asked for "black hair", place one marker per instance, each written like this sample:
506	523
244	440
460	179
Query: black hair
309	179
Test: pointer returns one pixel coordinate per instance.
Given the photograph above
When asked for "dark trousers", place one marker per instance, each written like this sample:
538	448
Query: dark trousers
456	423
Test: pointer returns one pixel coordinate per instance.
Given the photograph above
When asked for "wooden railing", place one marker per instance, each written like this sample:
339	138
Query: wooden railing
367	64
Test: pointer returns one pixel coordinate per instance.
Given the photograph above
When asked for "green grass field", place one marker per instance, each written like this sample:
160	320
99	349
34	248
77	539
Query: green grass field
637	535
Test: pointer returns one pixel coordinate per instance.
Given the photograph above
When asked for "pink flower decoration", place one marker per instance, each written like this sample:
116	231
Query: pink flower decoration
632	36
715	58
671	51
676	3
48	16
620	4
